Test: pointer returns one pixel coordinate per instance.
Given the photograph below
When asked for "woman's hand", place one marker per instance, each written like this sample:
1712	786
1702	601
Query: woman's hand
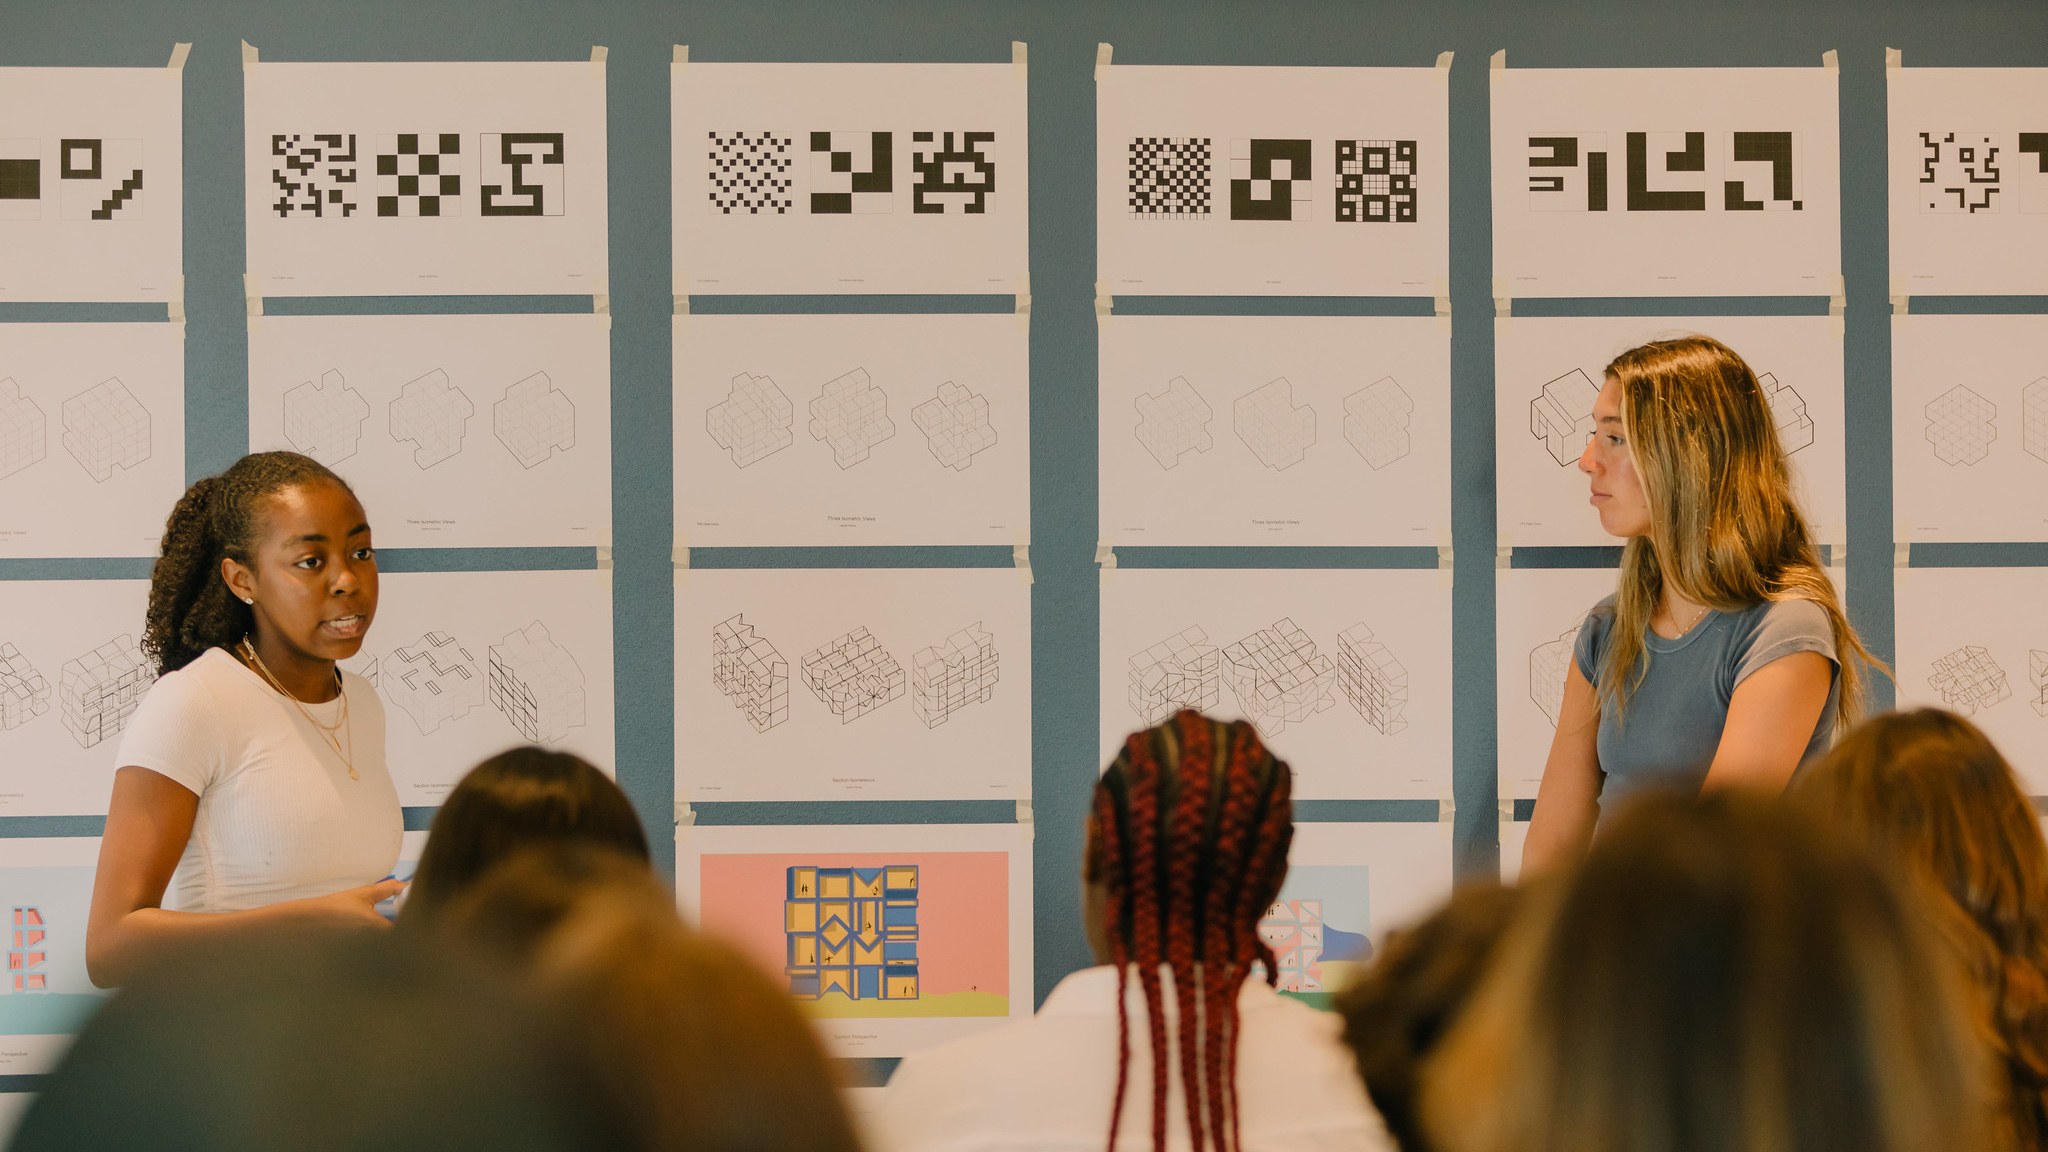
352	907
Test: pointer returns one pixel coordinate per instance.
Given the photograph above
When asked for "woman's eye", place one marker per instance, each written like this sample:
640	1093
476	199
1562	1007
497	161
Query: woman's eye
366	553
309	562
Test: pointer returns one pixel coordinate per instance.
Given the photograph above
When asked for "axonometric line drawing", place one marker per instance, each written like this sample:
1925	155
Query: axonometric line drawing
99	690
1174	422
851	415
536	683
1374	682
24	692
754	421
955	425
748	670
325	420
534	420
1278	677
433	414
435	680
1181	671
1376	421
853	675
24	431
2033	421
1788	414
1562	415
2037	674
106	427
946	678
1960	426
1969	679
1549	664
1276	431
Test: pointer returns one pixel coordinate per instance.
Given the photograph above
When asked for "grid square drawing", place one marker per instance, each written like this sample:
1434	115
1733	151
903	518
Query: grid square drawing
748	670
1960	426
1181	671
1169	177
1277	432
100	179
419	174
853	675
1270	179
534	420
946	678
325	420
1174	422
24	432
955	425
1959	172
24	692
852	174
750	172
433	414
434	680
1278	677
1969	679
1550	663
536	683
2033	421
522	174
21	179
106	427
851	931
1376	421
1376	182
2037	675
1562	415
754	421
1374	682
315	175
1293	929
1788	413
851	415
98	692
29	950
951	176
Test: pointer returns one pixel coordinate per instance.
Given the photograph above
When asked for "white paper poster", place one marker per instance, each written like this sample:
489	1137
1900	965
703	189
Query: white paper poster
71	674
1969	180
456	431
45	995
1970	428
1347	886
472	663
92	437
92	176
1250	430
891	937
1975	641
1666	182
425	179
1549	370
805	430
1537	615
853	684
1272	181
1346	673
827	178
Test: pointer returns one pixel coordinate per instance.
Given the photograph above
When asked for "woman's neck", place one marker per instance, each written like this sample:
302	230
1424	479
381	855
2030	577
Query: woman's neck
303	677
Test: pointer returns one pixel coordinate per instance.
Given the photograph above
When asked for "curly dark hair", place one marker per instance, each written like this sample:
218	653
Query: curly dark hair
190	607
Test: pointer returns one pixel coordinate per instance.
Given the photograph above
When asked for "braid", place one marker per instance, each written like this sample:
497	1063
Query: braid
1225	951
1146	913
1184	849
1108	867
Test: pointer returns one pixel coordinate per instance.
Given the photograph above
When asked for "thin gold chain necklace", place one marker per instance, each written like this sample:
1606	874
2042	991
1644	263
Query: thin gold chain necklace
326	732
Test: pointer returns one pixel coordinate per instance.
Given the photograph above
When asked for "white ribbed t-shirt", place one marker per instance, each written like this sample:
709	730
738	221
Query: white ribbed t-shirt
279	818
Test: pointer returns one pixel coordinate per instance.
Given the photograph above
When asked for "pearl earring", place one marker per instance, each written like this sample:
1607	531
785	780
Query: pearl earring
248	600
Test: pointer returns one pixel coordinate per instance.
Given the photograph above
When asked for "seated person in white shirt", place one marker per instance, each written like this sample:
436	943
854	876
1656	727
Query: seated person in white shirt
1187	848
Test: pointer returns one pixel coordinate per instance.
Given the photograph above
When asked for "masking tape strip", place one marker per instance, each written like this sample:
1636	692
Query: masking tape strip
1103	52
686	816
248	54
1024	295
1902	305
1443	59
1445	562
1893	58
1020	53
681	55
1499	59
1024	813
598	53
1104	554
1503	557
1839	298
1104	302
1020	555
179	52
1507	810
249	295
604	558
601	304
1902	554
680	556
175	306
1447	816
682	305
1831	60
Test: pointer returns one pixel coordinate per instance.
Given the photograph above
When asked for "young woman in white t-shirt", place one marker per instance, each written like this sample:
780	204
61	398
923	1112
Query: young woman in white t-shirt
251	782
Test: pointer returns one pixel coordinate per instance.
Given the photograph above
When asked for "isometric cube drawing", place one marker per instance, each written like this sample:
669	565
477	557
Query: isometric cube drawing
365	665
535	682
29	950
1374	682
24	435
24	692
852	931
2037	674
98	691
1182	671
851	415
955	425
749	671
1788	414
106	427
1278	677
1174	422
435	680
945	679
1969	679
853	675
1277	432
1549	664
1562	415
1376	421
2033	422
534	420
1293	929
325	420
754	420
433	414
1959	425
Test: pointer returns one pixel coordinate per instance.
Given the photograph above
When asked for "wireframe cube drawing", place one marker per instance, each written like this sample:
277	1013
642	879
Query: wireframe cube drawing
853	675
434	680
1549	664
851	415
1959	425
1181	671
536	683
955	425
2033	422
1788	414
1562	415
852	931
1376	421
106	427
1174	422
1374	682
534	420
433	414
754	420
945	679
1277	432
24	432
24	692
1278	677
1293	929
1969	679
2037	674
748	670
325	420
98	691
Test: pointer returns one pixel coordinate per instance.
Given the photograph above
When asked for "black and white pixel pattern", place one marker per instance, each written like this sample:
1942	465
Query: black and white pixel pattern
954	172
2032	162
101	179
21	179
1268	178
521	173
1960	172
419	174
314	174
1376	182
852	172
751	172
1170	177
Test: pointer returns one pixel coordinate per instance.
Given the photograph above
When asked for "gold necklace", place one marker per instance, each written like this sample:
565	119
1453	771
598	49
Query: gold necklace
326	732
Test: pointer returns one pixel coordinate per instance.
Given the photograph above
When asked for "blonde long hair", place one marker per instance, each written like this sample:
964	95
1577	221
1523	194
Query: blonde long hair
1725	528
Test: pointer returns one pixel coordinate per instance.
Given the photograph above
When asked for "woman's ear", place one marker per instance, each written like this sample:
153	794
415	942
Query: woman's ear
240	580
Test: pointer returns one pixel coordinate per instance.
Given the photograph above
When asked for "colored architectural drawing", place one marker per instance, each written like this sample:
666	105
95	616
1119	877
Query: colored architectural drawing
1174	422
1293	929
955	425
29	950
106	427
748	670
853	675
434	680
534	420
1562	415
535	682
1376	421
98	691
1181	671
753	422
325	420
852	932
1788	414
1959	425
24	692
1374	682
949	677
1969	679
433	414
851	415
24	432
1276	431
1278	677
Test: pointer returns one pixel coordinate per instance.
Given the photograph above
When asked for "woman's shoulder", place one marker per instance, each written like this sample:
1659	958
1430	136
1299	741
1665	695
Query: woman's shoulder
197	684
1792	615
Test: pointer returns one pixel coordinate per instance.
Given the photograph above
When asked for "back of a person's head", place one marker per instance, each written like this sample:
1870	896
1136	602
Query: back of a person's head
1399	1009
1718	975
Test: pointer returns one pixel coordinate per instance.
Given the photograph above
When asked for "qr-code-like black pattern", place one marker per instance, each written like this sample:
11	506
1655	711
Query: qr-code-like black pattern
750	172
315	175
1959	172
419	174
953	171
1170	177
1375	181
